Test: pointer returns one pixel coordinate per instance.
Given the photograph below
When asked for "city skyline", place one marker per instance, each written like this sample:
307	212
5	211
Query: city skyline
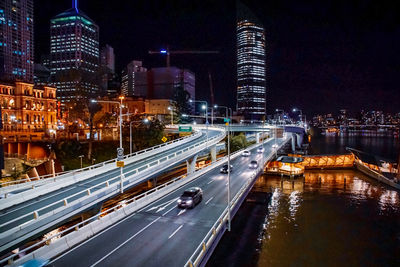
311	49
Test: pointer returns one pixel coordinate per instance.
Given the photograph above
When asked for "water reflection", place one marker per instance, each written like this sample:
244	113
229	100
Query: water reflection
329	217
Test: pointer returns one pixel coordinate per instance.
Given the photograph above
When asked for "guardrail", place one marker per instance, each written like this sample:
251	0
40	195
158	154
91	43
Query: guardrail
60	182
107	187
101	164
66	239
79	232
201	250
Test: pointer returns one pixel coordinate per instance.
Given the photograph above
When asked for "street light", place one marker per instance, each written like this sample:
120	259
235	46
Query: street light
120	130
81	156
227	129
279	110
205	107
130	133
301	113
172	114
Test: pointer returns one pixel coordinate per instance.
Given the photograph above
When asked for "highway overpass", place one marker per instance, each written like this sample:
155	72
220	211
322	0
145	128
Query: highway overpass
150	229
32	211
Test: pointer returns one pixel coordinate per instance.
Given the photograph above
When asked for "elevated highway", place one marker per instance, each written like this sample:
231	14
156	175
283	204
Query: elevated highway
151	230
32	211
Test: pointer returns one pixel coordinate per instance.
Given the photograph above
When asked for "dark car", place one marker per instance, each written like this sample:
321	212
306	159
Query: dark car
190	198
224	169
253	164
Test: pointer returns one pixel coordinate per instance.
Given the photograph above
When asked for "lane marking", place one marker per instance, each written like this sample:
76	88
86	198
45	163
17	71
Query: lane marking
181	212
167	203
168	211
126	241
179	228
209	200
210	182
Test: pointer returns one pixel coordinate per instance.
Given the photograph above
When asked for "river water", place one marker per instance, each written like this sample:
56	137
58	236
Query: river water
327	218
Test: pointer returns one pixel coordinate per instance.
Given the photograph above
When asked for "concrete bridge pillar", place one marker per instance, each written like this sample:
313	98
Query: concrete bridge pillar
293	143
191	164
151	183
258	138
213	152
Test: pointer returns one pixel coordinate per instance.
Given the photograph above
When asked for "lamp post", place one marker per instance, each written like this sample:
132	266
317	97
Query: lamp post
81	156
279	110
172	114
227	129
205	108
120	134
145	120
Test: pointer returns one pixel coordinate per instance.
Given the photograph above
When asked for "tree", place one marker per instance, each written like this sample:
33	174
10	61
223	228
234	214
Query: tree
145	134
181	103
237	142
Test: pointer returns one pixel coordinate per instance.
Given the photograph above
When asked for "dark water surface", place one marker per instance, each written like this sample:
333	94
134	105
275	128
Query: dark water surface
343	219
385	147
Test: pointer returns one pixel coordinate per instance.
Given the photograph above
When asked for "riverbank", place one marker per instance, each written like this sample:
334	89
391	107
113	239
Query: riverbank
316	222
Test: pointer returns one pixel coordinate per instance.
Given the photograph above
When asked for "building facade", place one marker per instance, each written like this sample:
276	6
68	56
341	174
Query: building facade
107	58
26	108
251	66
160	83
128	77
16	40
74	53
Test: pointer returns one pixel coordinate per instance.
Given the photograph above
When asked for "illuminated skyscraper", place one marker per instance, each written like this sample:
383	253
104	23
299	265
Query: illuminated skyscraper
251	64
74	51
16	40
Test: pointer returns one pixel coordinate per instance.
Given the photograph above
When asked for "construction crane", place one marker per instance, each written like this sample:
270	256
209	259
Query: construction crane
168	52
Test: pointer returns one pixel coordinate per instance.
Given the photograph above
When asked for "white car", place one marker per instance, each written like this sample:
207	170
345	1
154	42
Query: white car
246	153
260	150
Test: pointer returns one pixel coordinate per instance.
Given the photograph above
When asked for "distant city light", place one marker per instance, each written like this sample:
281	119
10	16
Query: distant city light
163	51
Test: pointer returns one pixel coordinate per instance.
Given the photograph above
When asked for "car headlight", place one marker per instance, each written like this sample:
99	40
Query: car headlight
222	169
189	201
179	201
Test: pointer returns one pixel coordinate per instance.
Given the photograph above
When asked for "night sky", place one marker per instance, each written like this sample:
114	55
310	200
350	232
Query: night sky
322	56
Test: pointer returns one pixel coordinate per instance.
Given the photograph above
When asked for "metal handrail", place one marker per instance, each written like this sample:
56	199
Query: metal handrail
76	226
101	164
132	200
36	214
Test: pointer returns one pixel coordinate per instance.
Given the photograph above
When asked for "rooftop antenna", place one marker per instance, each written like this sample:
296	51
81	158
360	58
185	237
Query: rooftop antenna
75	5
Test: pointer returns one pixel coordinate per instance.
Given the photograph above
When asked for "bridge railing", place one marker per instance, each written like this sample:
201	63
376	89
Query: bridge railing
112	184
220	225
36	181
66	239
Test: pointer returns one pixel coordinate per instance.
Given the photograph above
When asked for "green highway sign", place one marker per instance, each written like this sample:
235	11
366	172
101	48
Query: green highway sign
185	128
226	120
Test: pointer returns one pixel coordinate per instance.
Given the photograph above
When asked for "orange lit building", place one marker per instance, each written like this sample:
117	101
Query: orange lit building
133	105
26	108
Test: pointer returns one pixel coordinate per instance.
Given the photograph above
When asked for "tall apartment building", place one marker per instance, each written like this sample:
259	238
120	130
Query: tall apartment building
251	65
128	77
16	40
74	52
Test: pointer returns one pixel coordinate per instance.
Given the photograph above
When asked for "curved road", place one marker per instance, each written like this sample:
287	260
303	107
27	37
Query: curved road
161	233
